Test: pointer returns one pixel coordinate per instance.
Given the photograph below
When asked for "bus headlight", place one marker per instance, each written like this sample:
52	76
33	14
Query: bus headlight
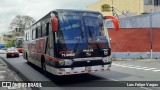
106	59
66	62
61	62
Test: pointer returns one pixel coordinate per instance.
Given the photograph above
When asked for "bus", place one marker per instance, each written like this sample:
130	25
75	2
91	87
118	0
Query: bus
68	42
19	44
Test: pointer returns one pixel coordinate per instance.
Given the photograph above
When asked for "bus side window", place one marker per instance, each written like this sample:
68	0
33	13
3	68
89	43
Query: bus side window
51	38
33	34
27	36
39	32
43	30
47	29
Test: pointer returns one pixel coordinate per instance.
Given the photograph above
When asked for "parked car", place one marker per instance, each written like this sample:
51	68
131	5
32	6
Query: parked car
12	52
3	51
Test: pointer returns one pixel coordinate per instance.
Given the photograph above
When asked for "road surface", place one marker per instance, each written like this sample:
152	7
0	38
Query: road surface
121	72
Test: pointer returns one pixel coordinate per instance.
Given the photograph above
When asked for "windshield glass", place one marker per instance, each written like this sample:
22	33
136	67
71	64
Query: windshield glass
19	43
79	29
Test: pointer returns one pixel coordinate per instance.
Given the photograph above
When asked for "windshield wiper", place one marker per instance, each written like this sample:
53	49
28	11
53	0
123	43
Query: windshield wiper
80	36
92	37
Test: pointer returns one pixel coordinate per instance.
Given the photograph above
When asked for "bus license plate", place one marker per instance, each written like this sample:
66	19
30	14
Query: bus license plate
88	68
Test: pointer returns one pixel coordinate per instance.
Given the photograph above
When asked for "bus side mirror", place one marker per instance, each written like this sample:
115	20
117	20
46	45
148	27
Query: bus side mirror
115	21
54	23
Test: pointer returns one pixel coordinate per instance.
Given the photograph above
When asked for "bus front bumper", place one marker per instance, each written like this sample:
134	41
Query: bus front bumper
77	70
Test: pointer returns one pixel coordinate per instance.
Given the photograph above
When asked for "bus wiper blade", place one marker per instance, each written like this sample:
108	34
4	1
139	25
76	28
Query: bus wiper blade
92	37
80	35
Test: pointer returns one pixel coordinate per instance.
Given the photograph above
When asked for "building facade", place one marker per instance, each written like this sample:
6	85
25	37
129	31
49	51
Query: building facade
4	37
125	7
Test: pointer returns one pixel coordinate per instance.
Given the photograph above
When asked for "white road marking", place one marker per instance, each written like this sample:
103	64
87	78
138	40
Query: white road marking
1	77
156	70
146	88
137	67
149	69
123	65
116	64
130	65
2	71
142	68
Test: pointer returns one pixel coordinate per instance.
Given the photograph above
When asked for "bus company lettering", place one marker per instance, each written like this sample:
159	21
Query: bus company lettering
88	50
67	53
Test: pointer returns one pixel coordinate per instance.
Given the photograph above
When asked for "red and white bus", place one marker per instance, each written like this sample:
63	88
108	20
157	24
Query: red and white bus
66	42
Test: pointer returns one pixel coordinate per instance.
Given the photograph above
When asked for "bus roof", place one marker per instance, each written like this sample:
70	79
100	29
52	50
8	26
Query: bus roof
69	10
76	10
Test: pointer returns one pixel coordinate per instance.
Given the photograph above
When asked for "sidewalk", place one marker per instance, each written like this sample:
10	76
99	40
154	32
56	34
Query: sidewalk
8	75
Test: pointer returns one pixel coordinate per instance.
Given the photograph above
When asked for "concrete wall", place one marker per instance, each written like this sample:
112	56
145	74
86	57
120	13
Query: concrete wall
135	42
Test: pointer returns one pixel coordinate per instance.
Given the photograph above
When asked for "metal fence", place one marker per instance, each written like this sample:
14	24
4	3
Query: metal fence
142	21
150	21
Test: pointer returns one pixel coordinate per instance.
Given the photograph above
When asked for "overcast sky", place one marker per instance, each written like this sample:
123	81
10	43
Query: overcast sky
35	8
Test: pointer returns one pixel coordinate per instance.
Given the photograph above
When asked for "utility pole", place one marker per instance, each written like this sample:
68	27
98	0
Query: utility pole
112	8
151	37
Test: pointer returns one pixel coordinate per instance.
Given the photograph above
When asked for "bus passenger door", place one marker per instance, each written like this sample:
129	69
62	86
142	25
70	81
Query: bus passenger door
49	46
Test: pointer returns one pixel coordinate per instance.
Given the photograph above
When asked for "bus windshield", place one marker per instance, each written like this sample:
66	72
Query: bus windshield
79	29
19	43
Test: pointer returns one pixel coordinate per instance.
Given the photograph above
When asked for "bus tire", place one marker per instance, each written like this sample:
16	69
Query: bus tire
7	56
27	59
43	65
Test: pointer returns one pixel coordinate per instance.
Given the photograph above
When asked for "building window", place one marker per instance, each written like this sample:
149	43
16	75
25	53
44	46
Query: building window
156	2
148	2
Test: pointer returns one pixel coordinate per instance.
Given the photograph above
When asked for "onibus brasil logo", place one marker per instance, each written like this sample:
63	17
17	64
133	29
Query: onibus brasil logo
15	85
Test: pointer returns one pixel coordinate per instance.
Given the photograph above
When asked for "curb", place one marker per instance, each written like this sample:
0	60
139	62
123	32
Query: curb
22	76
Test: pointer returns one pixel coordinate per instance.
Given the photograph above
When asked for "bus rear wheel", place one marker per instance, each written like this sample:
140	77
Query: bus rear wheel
43	66
27	59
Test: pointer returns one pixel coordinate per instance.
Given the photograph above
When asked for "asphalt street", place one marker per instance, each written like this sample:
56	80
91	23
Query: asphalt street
6	74
121	71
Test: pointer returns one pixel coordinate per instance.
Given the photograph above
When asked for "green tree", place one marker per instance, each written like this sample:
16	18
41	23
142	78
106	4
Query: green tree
10	43
20	23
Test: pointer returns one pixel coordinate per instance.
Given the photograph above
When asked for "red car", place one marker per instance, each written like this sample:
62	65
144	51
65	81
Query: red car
12	52
20	50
